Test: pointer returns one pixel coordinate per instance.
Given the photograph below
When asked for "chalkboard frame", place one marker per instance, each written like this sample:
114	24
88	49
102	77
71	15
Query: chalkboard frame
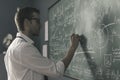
65	75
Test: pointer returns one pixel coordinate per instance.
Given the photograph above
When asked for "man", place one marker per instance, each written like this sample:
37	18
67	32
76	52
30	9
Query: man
23	61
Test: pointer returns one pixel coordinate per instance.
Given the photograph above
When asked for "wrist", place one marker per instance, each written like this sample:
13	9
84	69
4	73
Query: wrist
73	48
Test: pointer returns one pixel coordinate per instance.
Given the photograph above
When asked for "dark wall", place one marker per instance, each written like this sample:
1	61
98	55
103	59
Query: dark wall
8	9
7	25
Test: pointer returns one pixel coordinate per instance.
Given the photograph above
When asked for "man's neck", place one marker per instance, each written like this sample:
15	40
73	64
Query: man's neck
28	34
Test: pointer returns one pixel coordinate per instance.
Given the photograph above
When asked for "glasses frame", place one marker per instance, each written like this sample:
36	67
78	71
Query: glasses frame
37	19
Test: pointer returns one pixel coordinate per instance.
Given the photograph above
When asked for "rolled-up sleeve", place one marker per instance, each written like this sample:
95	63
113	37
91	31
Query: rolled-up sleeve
60	67
31	58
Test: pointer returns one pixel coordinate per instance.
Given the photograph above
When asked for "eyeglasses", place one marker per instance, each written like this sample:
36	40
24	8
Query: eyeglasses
37	20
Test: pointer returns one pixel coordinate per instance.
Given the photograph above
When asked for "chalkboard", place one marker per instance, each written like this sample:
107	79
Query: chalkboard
99	21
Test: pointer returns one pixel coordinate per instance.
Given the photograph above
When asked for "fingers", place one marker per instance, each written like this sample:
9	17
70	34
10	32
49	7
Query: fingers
75	39
75	36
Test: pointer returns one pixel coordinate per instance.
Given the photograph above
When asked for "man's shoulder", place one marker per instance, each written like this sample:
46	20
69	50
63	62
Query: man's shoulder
18	47
18	44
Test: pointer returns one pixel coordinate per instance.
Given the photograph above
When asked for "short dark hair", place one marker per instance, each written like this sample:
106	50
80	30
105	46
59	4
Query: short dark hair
22	14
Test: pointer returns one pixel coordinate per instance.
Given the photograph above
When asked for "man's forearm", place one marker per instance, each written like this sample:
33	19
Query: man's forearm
67	59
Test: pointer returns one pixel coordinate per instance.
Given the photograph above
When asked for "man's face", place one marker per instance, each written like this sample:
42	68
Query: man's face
35	24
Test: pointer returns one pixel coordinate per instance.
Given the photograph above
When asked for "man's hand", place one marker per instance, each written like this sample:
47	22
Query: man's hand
75	38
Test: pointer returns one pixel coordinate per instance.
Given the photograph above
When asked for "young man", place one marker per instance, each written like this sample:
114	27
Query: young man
23	61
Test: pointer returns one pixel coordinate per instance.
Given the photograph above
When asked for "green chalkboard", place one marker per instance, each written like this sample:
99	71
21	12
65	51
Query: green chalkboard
99	21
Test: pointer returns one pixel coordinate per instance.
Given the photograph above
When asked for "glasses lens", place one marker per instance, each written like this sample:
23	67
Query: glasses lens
37	20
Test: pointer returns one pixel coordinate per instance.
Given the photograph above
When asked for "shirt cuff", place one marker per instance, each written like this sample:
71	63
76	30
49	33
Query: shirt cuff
60	67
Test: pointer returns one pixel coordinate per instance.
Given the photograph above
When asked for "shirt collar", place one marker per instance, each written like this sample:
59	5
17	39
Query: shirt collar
25	37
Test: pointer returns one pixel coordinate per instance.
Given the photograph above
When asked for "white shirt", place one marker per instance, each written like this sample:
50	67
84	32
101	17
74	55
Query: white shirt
23	61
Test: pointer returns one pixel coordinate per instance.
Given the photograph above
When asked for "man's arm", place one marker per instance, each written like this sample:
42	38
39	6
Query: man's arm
75	41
